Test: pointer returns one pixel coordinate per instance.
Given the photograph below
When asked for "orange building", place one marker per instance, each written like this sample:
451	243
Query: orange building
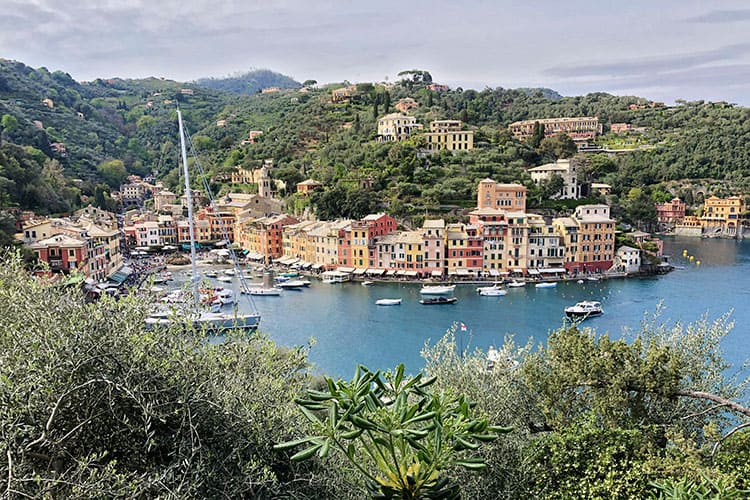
511	197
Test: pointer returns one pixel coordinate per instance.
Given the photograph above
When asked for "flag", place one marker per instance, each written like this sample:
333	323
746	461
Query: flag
463	327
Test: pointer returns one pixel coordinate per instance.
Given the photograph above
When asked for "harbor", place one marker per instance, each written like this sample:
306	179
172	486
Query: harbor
349	327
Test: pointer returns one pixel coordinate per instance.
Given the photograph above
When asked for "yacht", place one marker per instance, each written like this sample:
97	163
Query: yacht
584	309
437	289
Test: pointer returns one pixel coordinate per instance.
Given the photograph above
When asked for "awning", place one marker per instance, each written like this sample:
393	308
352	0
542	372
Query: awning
517	270
436	274
306	265
346	269
553	270
400	273
375	271
463	272
494	272
533	272
283	260
360	271
411	274
390	273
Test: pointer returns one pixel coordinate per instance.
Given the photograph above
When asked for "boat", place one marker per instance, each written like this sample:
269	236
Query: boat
580	282
516	284
225	279
592	278
256	290
437	289
546	284
215	322
438	300
211	274
584	309
291	274
293	284
230	272
388	302
367	283
332	277
491	291
222	296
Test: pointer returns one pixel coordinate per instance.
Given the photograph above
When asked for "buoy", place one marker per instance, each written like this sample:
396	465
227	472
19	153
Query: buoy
697	263
684	253
692	258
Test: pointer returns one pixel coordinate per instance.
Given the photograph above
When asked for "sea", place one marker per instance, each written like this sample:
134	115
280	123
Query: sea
344	327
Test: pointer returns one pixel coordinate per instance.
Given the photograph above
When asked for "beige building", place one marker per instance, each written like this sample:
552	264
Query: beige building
567	170
723	216
396	127
406	104
577	128
448	135
512	197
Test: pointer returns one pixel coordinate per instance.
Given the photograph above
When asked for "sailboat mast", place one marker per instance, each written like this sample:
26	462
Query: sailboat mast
189	199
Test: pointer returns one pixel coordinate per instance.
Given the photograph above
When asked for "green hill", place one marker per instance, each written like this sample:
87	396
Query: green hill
307	135
249	83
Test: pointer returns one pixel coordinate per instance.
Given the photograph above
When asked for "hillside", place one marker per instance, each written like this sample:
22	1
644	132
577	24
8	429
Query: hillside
133	122
249	83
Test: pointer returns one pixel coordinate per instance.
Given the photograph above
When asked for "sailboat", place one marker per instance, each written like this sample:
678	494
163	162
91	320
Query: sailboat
213	321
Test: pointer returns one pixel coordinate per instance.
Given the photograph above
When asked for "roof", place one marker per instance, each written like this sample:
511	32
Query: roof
433	224
626	248
59	240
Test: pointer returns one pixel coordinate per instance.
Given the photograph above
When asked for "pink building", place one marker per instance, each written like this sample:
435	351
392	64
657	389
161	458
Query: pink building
670	212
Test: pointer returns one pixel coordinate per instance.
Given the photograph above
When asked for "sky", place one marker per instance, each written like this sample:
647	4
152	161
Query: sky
662	50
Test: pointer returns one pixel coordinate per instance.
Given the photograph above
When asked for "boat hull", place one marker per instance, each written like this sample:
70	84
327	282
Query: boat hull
438	301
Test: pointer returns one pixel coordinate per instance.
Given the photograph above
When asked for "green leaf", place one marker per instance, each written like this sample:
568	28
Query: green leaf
305	454
291	444
470	464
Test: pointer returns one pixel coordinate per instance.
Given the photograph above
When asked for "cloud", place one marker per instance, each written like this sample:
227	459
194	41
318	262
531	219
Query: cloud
721	16
647	66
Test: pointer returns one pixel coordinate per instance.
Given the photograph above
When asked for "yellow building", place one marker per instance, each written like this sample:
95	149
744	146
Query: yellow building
577	128
722	216
360	248
589	238
511	197
447	135
396	127
493	226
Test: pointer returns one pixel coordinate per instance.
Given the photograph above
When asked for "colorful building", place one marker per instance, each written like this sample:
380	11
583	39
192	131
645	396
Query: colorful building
396	127
511	197
670	212
723	216
448	135
63	253
433	237
464	249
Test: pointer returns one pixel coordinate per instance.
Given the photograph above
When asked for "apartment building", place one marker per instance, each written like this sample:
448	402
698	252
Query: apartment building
510	197
448	135
397	127
577	128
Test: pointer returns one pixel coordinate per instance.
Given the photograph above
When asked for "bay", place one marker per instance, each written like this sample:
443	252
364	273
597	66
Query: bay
349	329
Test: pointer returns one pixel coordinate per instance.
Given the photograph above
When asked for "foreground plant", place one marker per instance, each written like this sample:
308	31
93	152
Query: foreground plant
397	433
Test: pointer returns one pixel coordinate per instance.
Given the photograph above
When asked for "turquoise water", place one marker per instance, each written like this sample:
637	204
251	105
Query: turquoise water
349	328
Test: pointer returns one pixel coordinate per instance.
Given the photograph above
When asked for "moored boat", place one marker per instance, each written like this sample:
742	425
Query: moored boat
388	302
546	284
256	290
491	291
293	284
437	289
516	284
584	309
438	300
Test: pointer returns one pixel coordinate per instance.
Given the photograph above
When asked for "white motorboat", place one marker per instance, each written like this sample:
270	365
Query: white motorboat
491	291
225	279
367	283
211	274
255	290
437	289
388	302
332	277
584	309
293	284
516	284
546	284
229	272
223	296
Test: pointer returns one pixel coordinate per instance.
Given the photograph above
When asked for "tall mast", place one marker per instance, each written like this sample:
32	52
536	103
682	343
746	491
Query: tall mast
189	199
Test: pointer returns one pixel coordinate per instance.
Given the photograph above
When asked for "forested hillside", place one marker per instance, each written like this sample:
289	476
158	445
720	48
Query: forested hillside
249	83
98	132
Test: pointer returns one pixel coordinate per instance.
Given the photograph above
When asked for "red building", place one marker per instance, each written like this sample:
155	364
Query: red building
670	212
63	253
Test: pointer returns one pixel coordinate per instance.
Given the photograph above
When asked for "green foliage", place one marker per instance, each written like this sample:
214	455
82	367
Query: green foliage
688	487
94	406
113	172
251	82
400	435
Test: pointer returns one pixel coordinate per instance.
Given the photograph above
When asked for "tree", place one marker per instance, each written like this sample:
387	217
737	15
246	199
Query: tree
399	435
7	124
98	407
552	188
309	83
113	172
537	135
558	146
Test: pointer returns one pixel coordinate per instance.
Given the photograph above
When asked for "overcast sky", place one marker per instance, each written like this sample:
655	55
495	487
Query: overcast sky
663	50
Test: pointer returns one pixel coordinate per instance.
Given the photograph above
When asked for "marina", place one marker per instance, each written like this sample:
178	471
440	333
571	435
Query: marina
350	328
